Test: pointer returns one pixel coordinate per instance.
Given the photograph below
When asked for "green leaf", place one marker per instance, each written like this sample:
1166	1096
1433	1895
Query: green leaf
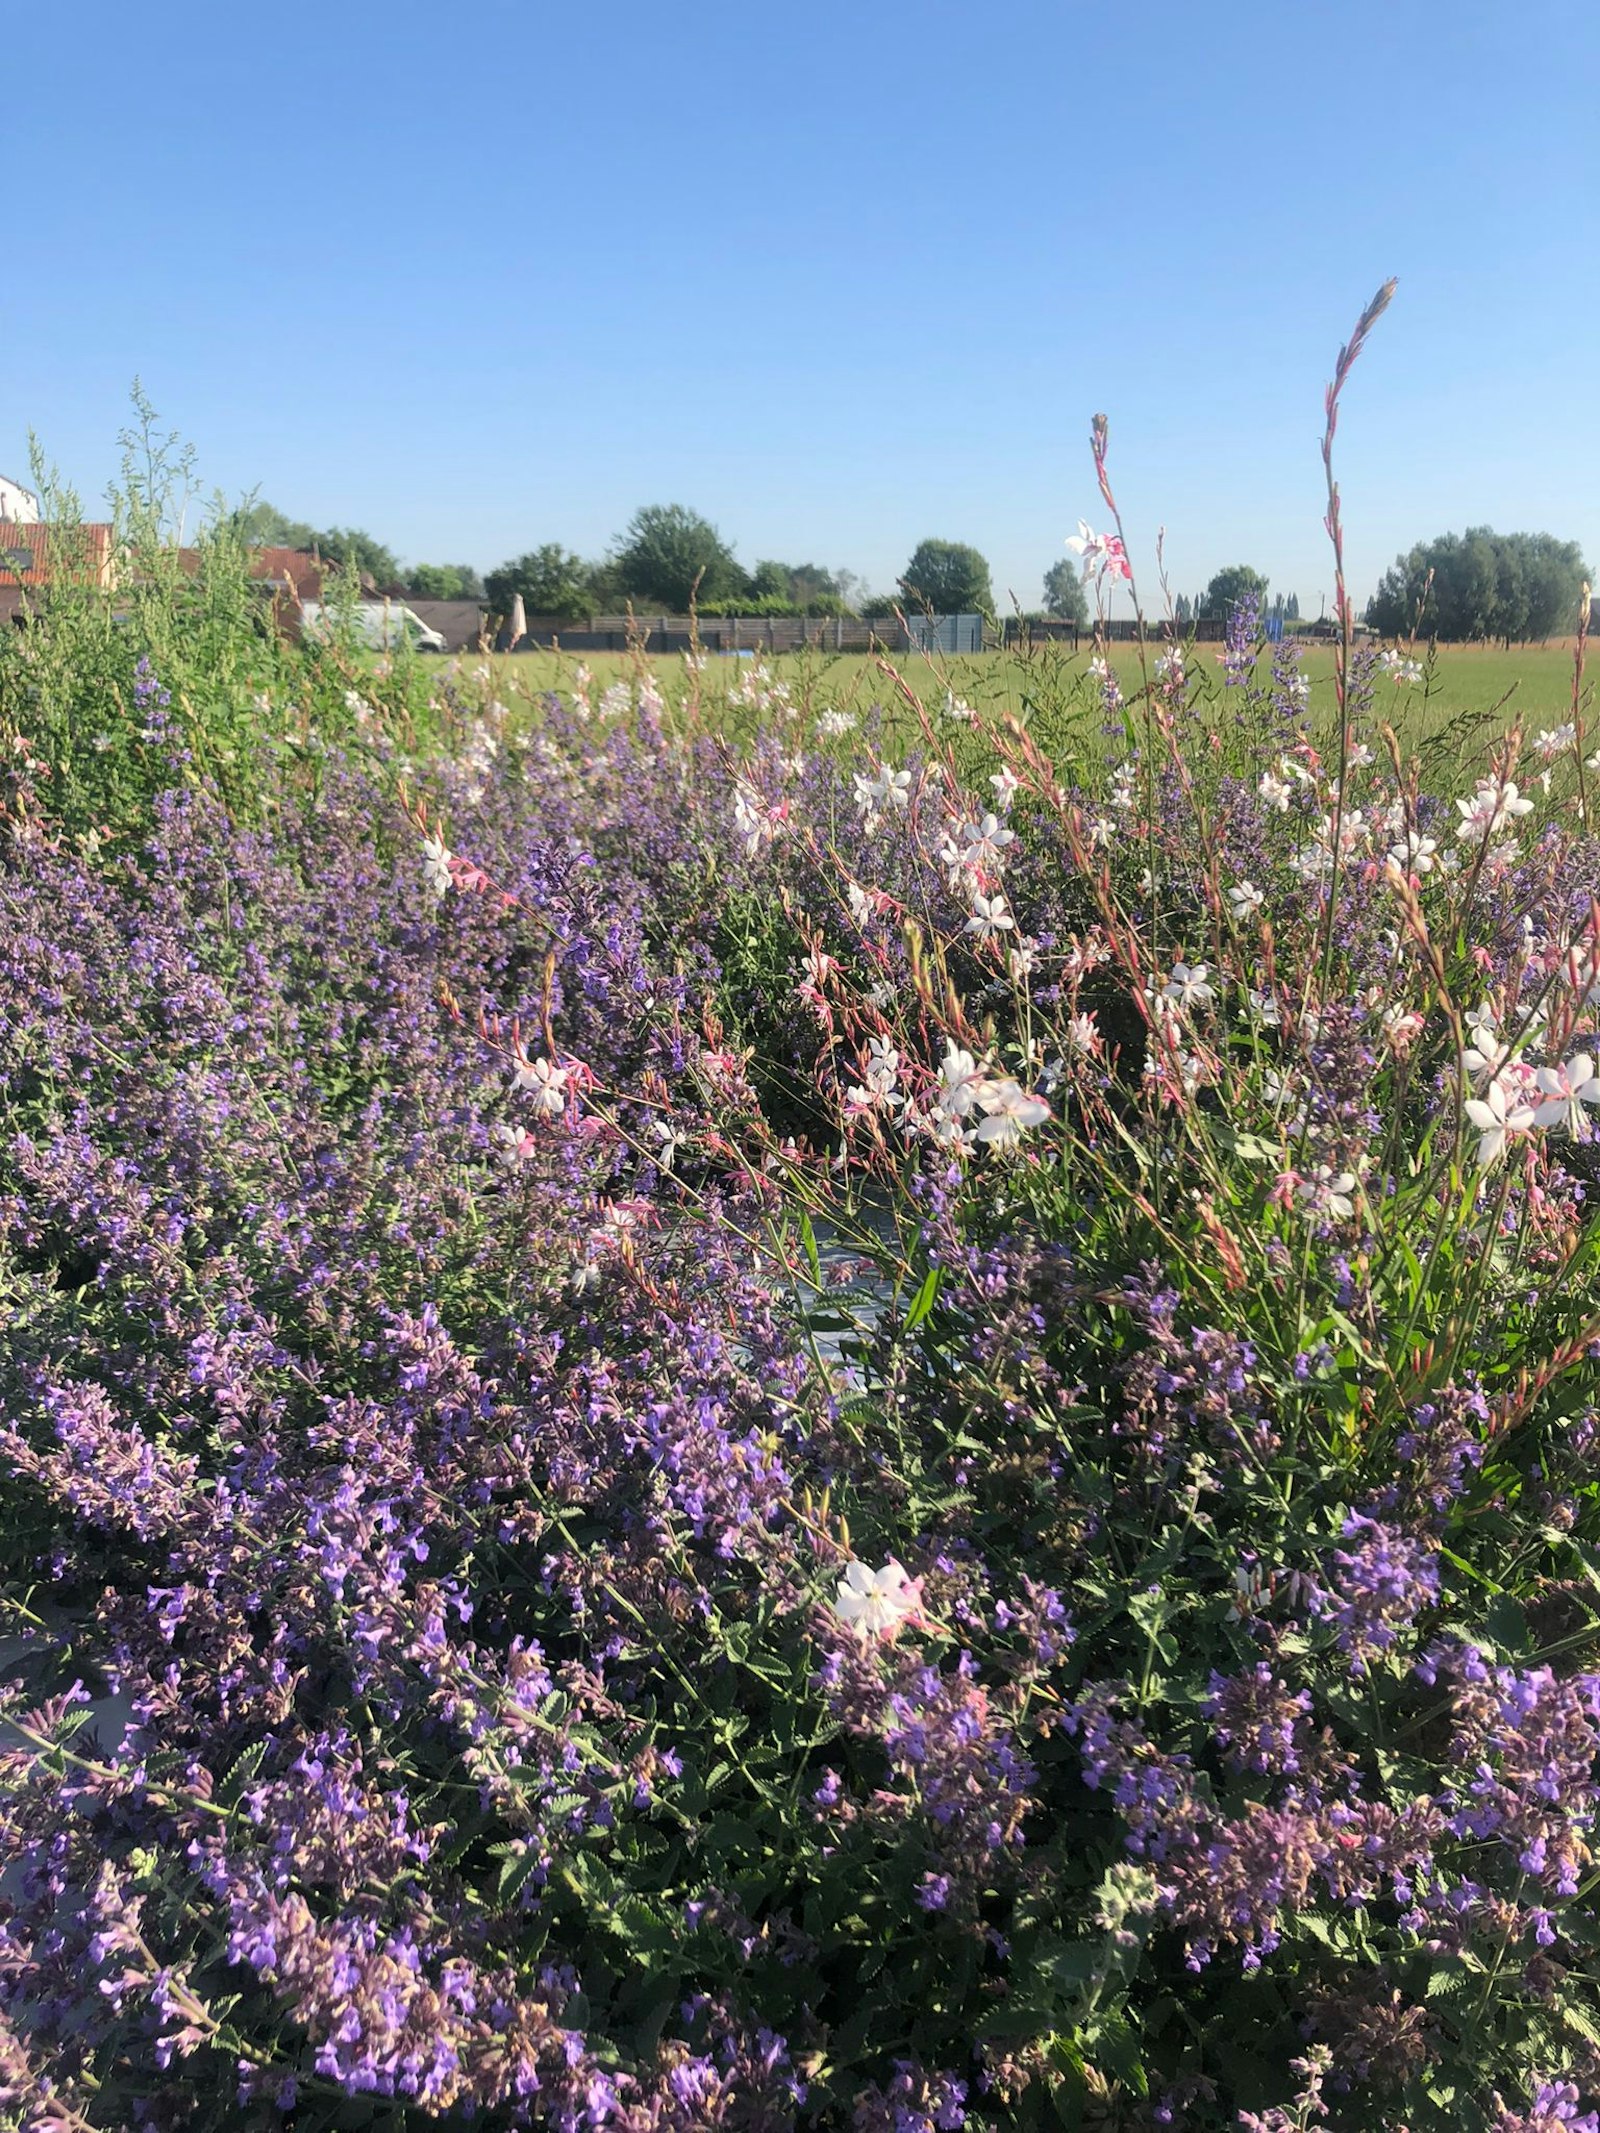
924	1300
808	1237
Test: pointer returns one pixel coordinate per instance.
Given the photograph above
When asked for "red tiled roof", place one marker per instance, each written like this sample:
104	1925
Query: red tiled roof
78	550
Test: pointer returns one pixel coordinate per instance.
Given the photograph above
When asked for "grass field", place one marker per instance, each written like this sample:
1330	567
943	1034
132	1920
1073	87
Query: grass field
1468	694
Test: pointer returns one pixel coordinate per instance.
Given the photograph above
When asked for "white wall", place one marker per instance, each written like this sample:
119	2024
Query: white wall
18	506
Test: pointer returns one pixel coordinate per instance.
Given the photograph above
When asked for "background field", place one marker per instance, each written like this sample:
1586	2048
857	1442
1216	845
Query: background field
1468	696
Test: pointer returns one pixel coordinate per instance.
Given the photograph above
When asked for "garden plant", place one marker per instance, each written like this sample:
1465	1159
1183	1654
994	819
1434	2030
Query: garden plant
741	1414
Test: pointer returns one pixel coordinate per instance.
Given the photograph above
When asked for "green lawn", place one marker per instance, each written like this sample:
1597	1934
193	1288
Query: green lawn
1468	696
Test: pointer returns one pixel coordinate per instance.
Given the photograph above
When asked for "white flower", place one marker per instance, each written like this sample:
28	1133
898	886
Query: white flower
1497	1117
1566	1090
957	707
671	1141
1010	1110
513	1146
832	725
1022	960
1275	791
1554	741
1101	552
1189	986
1246	899
989	917
1404	671
1323	1193
546	1082
1082	1033
1489	809
1099	669
436	865
1169	665
1413	854
874	1603
960	1078
1006	788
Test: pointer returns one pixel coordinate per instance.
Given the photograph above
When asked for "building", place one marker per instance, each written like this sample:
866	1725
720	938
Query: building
32	554
18	506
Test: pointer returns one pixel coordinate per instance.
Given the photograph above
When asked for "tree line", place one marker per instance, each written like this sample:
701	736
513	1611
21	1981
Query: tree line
1482	587
1475	586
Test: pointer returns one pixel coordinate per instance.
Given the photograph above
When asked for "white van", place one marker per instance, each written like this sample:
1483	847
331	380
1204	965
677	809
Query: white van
378	624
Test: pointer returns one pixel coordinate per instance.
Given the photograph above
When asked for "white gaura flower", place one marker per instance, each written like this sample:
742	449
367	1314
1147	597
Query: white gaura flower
957	707
1498	1118
1275	791
1566	1089
989	918
546	1083
1246	899
1554	741
876	1603
671	1141
1327	1194
513	1145
1414	853
960	1078
1023	960
1491	808
1006	788
1082	1034
1189	986
833	725
436	865
1009	1112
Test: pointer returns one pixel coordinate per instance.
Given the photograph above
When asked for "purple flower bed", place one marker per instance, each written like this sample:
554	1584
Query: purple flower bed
804	1436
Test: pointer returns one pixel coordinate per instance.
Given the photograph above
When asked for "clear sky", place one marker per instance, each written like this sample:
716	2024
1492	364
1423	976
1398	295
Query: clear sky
483	276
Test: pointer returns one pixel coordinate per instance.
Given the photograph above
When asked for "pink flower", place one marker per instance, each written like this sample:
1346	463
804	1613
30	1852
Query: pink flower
1103	553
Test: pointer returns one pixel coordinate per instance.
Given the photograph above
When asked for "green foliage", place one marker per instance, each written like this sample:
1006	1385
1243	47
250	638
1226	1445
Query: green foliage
443	581
1231	585
551	580
1482	585
1063	592
669	555
949	577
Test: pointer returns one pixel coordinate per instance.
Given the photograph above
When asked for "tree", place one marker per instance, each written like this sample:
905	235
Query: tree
1291	608
1237	582
948	577
1183	612
1478	585
667	549
1063	592
263	525
443	581
551	580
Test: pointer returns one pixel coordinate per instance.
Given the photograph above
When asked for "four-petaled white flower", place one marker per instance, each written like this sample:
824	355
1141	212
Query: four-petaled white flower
436	865
1498	1117
1246	899
1103	553
1325	1193
960	1078
1490	808
1554	741
1275	791
546	1082
1566	1089
1189	986
513	1144
1009	1112
989	917
875	1603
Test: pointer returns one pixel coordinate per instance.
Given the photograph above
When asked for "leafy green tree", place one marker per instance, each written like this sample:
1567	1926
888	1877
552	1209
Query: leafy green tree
1231	585
948	577
1291	608
1183	611
1063	592
1481	585
667	550
263	525
551	580
443	581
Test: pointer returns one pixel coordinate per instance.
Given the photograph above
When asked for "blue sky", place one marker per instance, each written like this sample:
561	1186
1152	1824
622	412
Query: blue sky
483	277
